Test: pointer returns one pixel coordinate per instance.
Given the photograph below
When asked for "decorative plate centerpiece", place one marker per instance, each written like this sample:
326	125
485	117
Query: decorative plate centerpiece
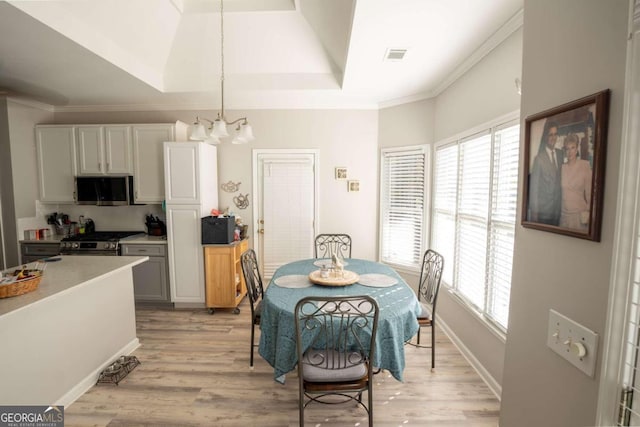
344	278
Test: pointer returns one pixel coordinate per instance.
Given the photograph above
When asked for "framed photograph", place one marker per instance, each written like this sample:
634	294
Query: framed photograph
353	185
341	173
564	162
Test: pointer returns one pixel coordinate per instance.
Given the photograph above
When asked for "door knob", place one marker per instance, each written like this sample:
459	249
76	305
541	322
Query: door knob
261	231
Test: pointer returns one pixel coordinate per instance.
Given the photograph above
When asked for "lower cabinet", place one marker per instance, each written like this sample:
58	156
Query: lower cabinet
224	281
32	251
151	278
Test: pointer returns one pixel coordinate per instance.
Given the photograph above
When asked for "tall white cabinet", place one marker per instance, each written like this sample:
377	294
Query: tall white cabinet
191	191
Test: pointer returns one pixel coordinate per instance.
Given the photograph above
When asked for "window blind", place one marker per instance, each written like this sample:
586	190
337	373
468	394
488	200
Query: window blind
503	219
445	189
473	203
402	210
474	208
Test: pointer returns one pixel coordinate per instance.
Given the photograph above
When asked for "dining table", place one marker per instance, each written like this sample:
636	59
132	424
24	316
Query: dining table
397	302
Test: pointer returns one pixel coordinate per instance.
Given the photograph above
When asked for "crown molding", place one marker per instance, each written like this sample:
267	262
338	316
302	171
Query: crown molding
32	103
511	26
491	43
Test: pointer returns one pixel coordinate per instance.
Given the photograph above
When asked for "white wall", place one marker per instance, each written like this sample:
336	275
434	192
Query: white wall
344	137
571	49
485	92
22	118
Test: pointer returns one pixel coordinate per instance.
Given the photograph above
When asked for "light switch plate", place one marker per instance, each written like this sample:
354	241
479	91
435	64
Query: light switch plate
573	342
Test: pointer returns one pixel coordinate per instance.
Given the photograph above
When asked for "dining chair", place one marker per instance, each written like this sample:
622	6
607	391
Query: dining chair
335	342
255	290
428	287
329	244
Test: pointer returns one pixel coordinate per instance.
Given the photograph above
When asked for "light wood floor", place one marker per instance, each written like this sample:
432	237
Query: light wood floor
195	372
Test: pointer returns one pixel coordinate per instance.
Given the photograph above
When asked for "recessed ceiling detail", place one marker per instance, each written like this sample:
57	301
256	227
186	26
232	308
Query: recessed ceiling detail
120	55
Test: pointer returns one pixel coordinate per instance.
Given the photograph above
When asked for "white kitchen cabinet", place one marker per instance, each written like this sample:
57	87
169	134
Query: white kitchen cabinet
186	270
191	175
56	156
104	150
148	164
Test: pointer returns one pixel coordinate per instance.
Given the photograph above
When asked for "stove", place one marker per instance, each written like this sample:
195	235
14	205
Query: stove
96	243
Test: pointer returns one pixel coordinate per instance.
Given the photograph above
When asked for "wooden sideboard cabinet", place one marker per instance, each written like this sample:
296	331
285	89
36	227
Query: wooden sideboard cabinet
223	278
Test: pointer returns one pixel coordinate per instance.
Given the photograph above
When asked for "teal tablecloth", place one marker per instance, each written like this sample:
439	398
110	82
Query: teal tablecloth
396	324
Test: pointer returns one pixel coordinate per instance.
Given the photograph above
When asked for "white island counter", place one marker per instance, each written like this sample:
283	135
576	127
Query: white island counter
56	340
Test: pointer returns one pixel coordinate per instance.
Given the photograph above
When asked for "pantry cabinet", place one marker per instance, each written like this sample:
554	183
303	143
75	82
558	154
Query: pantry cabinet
224	282
104	150
186	274
57	168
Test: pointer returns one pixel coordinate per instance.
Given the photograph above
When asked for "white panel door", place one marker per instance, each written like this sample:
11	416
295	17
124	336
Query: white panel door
186	268
286	206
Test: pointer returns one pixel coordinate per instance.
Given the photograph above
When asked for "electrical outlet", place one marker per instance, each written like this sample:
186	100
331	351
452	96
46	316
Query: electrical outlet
573	342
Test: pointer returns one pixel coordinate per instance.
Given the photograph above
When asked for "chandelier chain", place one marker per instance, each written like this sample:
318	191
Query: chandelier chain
222	60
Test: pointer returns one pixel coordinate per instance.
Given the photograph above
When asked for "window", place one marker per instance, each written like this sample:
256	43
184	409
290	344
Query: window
474	216
403	205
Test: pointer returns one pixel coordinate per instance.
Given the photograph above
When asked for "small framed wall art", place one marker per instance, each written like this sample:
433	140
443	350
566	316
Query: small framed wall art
341	173
353	185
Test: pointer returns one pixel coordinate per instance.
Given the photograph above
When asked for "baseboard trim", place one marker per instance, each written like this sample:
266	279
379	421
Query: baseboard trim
90	380
491	382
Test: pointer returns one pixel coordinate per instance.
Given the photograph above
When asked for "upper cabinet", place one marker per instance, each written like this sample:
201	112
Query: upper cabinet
148	163
104	150
56	152
66	151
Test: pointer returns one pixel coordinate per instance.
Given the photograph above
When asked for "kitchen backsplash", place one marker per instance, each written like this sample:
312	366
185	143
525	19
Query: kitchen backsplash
106	218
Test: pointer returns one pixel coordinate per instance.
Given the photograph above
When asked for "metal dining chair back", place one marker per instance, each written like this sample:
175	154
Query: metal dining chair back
255	291
428	288
335	342
328	244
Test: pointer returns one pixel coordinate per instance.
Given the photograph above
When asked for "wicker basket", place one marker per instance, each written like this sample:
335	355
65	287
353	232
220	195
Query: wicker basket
20	287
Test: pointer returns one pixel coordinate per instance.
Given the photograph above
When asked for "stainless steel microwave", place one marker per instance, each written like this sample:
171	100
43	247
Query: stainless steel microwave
104	190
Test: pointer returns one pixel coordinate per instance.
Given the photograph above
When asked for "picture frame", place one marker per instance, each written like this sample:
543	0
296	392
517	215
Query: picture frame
341	172
564	167
353	185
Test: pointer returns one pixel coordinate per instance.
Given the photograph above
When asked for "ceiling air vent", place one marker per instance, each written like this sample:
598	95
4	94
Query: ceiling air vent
395	54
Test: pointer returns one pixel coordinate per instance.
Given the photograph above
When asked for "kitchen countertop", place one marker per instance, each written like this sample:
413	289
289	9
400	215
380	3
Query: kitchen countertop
145	239
69	272
137	238
51	239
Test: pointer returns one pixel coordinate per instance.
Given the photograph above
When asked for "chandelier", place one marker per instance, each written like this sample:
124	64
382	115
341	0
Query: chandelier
218	128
